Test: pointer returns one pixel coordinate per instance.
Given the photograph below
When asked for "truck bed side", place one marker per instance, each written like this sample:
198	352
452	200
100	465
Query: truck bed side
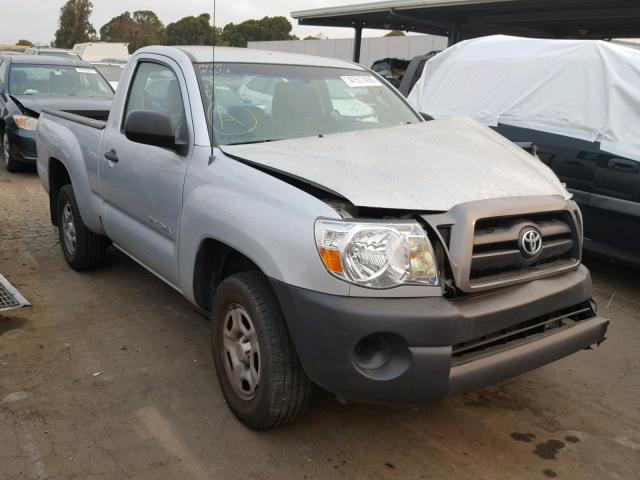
72	142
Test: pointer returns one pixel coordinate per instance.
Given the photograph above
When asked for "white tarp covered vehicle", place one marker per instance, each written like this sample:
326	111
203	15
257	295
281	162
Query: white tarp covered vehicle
589	90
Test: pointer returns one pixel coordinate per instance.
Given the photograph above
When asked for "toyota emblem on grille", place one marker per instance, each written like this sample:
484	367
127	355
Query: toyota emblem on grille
530	242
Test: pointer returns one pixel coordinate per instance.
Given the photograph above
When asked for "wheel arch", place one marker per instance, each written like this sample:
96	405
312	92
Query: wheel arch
58	178
215	261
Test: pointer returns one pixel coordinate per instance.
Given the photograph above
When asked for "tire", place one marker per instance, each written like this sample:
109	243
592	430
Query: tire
283	389
7	158
82	249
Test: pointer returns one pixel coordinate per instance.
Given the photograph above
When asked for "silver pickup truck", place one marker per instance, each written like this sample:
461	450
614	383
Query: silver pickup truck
332	234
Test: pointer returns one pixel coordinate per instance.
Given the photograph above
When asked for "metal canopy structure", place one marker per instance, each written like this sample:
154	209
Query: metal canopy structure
463	19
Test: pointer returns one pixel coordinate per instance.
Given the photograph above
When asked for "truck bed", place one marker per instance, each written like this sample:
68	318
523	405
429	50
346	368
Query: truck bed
72	117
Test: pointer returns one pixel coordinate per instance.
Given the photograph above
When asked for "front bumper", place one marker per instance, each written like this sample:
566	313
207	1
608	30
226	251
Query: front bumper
23	146
328	330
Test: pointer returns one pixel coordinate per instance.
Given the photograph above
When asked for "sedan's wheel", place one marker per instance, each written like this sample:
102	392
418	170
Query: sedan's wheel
82	248
256	362
9	162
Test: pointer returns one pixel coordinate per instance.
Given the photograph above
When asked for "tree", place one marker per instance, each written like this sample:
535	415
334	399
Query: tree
311	37
395	33
268	28
218	38
74	26
191	31
24	43
138	30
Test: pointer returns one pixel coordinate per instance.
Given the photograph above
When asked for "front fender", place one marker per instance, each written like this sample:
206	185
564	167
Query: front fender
265	219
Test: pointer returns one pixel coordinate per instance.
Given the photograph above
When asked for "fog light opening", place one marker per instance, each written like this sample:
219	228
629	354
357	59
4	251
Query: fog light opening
382	356
372	352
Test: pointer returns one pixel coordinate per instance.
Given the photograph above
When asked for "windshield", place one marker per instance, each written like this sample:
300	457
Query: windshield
112	73
258	103
58	81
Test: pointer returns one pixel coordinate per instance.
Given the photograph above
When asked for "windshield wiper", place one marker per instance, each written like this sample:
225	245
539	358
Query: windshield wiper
253	141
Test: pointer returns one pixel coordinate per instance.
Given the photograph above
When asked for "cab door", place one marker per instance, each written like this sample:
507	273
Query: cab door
142	185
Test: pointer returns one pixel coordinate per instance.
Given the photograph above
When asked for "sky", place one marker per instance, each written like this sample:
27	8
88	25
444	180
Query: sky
37	20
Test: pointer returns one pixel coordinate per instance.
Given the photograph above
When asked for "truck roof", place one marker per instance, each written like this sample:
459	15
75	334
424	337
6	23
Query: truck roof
203	54
46	60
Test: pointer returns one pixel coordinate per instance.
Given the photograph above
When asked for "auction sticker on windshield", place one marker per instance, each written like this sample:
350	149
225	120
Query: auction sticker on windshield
86	70
361	81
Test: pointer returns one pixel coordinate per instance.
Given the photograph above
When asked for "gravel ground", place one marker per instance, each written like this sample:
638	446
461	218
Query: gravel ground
109	375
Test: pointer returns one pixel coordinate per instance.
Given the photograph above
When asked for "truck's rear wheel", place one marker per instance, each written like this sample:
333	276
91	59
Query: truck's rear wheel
257	366
82	248
7	158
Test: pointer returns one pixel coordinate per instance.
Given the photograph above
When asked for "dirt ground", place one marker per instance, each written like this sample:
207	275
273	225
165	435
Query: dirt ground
109	376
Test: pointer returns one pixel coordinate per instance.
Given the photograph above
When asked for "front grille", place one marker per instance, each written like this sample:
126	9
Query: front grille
497	254
520	333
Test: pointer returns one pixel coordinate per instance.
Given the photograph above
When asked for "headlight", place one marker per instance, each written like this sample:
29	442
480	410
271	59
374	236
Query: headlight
26	123
377	255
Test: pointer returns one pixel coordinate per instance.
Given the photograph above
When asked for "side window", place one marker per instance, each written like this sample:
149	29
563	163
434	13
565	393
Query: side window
155	87
3	73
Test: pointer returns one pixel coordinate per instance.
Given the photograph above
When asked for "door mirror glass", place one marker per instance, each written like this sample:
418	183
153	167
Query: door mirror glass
150	128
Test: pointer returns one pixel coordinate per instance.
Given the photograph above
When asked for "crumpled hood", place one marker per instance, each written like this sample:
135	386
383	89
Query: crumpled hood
425	166
66	104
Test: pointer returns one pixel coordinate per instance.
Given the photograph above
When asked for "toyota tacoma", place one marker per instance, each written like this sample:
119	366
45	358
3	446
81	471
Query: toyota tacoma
323	253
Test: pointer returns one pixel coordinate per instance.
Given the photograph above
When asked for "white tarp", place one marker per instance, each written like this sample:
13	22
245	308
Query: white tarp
583	89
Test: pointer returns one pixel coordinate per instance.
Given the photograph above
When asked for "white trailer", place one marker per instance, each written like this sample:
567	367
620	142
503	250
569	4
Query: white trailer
372	48
101	51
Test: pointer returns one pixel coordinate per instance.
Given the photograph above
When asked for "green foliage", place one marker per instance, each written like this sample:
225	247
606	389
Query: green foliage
143	27
311	37
139	30
74	26
395	33
24	43
190	31
268	28
218	38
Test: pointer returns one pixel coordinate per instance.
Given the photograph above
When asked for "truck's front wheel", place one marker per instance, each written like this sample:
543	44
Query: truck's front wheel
256	363
82	248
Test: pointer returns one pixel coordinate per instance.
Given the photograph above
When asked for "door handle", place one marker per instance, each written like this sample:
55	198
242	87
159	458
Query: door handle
112	156
624	165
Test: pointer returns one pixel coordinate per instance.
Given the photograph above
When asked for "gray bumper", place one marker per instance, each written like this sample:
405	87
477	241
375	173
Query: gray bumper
514	361
327	329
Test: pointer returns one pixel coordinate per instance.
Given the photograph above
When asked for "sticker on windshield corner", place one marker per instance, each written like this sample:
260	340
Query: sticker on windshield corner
361	81
86	70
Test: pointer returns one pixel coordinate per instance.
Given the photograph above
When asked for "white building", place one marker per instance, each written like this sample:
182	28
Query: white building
372	48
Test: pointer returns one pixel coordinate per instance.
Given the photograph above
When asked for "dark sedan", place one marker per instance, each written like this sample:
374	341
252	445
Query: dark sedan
29	84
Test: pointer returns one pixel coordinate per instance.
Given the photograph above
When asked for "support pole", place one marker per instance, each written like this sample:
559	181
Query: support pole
357	44
455	35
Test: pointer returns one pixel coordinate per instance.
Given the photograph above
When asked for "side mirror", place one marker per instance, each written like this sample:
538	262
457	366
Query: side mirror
150	128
